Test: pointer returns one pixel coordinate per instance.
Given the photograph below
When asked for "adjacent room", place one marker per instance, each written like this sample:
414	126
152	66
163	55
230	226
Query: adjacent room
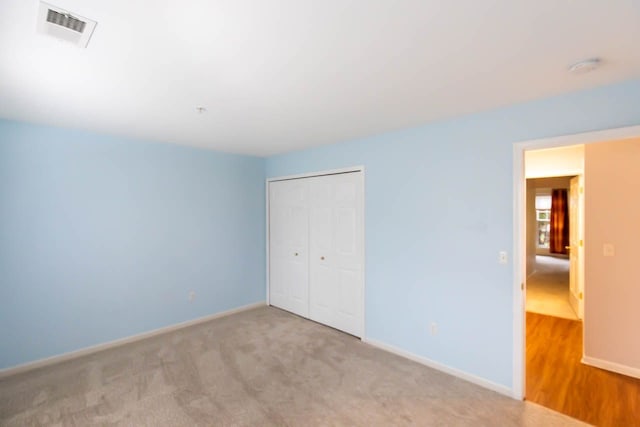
319	213
563	231
555	231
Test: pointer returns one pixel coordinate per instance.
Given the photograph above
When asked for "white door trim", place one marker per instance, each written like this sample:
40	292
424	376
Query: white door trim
519	228
317	173
364	226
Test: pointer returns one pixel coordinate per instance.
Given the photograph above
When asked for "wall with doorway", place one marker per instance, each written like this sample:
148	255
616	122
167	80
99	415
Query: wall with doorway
612	288
439	208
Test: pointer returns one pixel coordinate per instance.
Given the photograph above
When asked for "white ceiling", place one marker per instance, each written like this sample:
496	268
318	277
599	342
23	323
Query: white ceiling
284	75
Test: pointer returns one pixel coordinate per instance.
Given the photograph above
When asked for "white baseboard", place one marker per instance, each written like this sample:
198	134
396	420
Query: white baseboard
611	366
6	372
499	388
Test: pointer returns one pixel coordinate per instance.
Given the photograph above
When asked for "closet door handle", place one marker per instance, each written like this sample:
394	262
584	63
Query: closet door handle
295	254
322	258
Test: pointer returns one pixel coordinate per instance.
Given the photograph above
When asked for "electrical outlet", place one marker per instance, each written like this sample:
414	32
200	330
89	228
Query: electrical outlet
192	296
433	329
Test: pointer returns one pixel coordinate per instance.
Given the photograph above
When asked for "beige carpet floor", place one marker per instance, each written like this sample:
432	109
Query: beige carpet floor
262	367
548	288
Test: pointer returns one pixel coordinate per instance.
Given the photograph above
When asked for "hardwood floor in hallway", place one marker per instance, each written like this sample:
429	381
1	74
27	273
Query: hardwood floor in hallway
558	380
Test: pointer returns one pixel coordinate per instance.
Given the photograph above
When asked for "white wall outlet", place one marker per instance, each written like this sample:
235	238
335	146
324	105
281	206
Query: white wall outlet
192	296
608	249
503	257
433	329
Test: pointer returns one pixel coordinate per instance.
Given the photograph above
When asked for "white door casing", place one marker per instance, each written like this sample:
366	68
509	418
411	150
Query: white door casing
576	249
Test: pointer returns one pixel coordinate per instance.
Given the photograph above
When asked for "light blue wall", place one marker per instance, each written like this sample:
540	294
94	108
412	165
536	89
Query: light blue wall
439	208
102	237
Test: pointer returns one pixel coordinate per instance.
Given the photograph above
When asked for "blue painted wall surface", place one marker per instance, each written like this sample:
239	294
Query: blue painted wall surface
439	208
102	237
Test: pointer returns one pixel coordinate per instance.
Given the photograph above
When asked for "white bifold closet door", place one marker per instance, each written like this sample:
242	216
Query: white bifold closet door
289	246
329	269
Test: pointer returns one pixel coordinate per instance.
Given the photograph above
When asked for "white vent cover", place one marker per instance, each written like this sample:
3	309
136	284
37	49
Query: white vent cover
63	25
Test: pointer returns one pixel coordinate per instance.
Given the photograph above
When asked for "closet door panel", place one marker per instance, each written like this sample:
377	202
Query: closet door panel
349	252
316	249
321	242
336	252
277	263
288	246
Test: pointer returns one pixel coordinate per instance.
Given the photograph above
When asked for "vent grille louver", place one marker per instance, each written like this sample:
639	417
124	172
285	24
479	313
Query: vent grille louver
66	21
64	25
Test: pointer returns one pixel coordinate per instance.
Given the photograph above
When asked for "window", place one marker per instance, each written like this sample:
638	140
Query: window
543	220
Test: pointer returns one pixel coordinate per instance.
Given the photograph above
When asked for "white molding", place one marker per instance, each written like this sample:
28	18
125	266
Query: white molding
575	302
580	138
364	253
14	370
556	174
267	244
317	173
482	382
519	269
519	249
629	371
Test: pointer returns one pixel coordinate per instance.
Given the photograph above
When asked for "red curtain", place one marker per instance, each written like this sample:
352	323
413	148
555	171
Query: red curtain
559	233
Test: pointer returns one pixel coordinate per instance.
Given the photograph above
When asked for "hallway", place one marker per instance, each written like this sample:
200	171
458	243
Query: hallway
548	288
558	380
556	377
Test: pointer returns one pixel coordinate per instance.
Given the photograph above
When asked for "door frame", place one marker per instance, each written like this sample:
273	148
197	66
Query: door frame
519	234
364	205
577	299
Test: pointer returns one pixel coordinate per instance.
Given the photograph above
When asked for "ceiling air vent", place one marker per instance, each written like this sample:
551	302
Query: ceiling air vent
66	21
64	25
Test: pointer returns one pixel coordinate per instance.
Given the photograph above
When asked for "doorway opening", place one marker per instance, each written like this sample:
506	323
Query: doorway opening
553	219
553	292
560	351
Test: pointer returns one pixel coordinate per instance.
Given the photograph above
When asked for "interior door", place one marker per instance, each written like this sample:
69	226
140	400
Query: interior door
336	251
288	245
576	246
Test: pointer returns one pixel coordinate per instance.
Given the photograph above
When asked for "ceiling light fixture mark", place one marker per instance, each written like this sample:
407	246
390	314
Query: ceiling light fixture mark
585	66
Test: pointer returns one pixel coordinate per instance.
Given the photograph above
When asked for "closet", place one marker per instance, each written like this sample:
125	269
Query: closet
316	253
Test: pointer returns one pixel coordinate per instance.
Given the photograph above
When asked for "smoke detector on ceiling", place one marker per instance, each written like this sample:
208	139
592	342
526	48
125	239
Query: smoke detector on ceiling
64	25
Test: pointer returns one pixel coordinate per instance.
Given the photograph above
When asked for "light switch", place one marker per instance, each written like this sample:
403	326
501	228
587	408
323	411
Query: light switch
608	249
502	257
